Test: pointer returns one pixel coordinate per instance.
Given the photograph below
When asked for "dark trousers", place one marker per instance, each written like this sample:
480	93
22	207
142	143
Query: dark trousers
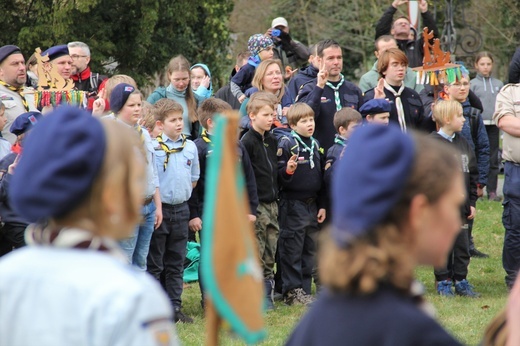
511	222
458	259
168	250
12	236
493	134
297	243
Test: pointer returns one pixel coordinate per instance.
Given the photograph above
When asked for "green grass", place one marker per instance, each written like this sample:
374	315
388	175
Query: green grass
465	318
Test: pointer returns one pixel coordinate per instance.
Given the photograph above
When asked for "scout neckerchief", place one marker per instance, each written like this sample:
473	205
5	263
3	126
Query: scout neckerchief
140	132
306	147
19	91
398	104
205	137
336	91
339	140
169	151
73	238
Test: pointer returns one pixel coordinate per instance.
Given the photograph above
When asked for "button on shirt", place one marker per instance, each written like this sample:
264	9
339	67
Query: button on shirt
175	183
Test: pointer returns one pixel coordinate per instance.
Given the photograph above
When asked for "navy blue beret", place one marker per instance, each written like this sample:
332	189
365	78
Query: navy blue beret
24	122
369	179
57	51
119	96
62	157
5	51
375	106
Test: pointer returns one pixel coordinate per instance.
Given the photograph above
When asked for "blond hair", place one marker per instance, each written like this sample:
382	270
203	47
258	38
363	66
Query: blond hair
260	74
164	107
119	165
445	111
115	80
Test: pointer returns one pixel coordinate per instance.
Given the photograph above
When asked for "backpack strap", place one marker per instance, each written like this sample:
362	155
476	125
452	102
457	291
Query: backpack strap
94	81
473	123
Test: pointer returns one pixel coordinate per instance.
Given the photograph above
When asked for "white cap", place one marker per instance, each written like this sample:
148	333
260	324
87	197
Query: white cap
279	21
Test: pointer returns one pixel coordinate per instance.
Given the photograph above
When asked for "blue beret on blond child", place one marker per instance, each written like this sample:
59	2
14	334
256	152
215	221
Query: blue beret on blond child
375	106
24	122
119	96
258	42
62	157
57	51
369	180
8	50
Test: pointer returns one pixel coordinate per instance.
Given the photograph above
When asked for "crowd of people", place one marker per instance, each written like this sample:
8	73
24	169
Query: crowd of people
367	166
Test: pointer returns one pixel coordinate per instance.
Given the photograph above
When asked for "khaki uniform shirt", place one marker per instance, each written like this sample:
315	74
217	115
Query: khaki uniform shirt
508	104
13	108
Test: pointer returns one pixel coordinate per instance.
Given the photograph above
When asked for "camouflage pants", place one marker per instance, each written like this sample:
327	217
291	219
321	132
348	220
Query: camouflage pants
266	231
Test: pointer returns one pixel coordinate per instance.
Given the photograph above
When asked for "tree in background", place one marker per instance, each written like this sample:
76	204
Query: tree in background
139	35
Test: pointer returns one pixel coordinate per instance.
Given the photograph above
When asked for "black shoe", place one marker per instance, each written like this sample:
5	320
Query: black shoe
178	316
477	254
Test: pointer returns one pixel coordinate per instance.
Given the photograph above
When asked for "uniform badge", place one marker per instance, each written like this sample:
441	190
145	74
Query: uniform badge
327	165
188	162
279	152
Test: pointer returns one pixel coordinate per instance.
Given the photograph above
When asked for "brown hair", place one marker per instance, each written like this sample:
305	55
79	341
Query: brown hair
445	111
260	74
181	64
209	108
164	107
260	99
299	111
384	38
383	254
241	57
384	59
119	164
345	116
115	80
483	54
148	118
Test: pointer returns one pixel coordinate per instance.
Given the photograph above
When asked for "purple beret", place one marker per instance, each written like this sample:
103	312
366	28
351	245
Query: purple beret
369	179
5	51
119	96
61	159
24	122
57	51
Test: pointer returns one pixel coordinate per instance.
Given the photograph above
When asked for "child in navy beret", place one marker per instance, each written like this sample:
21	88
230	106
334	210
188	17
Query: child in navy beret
81	180
395	206
376	111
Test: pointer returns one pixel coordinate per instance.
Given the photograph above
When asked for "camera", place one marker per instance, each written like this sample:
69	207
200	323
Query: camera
275	32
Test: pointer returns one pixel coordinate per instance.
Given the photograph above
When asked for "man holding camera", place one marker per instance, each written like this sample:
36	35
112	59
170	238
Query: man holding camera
292	53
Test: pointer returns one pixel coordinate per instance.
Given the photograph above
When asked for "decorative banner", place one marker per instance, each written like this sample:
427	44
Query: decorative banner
54	98
230	267
48	77
437	67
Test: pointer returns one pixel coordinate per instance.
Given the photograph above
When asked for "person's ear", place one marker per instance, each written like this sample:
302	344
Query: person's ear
419	207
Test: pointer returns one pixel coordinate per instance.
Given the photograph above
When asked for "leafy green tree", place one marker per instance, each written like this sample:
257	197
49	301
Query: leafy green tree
139	35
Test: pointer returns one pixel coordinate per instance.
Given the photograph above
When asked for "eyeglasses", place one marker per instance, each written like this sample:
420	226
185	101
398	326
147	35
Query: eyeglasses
76	57
460	85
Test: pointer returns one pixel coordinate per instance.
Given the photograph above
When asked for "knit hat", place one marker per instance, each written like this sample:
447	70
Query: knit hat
119	96
369	180
5	51
375	106
24	122
62	157
258	42
57	51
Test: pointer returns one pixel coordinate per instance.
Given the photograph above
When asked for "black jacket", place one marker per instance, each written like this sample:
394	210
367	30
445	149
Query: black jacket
385	317
322	103
412	106
469	168
304	75
413	49
262	152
